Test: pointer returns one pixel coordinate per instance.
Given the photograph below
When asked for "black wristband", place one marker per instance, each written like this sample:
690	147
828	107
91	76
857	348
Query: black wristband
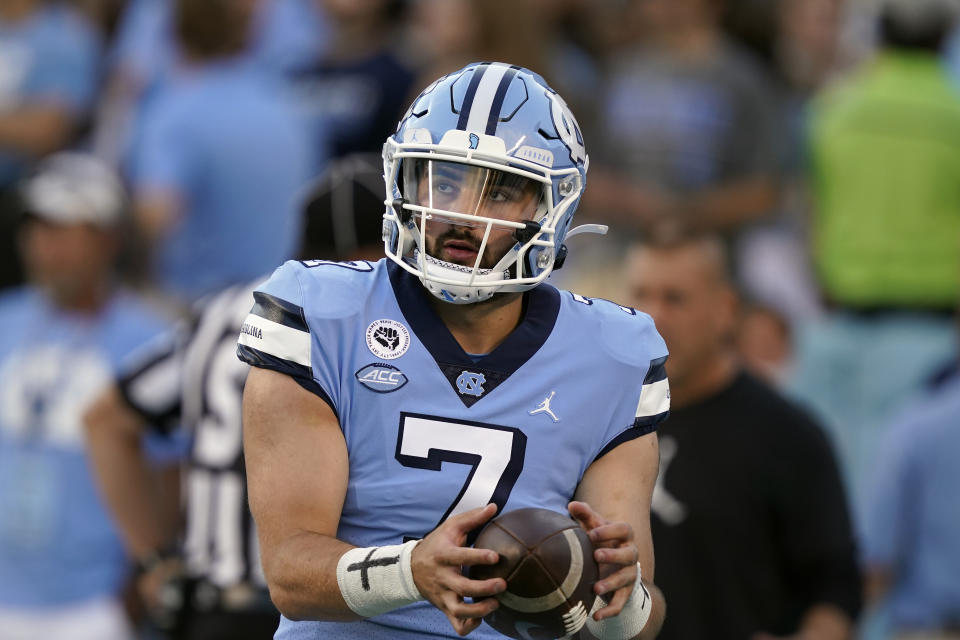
153	559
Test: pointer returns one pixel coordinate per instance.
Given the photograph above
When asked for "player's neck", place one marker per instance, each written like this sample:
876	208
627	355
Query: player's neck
482	326
705	380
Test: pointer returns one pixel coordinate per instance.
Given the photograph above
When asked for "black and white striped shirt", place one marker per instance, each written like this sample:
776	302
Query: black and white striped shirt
193	381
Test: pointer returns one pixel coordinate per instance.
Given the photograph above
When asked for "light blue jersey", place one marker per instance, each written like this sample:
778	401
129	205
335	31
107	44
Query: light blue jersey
50	57
237	170
432	431
913	519
286	34
57	544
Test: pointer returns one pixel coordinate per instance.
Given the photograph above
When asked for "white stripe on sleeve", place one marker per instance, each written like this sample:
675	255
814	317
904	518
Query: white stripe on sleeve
654	399
276	339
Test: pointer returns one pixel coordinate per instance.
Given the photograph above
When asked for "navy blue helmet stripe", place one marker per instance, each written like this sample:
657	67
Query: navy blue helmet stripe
470	95
494	118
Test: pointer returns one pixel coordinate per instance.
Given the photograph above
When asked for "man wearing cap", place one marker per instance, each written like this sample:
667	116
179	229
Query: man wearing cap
61	562
50	59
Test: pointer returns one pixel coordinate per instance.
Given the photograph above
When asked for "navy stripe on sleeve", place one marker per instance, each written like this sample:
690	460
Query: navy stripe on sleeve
657	370
279	310
302	374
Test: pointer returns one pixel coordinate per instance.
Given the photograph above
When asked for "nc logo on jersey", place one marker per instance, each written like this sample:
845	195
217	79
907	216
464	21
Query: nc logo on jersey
387	339
471	384
380	377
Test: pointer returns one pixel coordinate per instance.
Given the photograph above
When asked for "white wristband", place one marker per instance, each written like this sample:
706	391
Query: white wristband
374	580
631	619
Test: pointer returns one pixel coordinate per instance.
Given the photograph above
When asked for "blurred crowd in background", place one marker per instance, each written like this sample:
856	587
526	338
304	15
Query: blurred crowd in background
153	152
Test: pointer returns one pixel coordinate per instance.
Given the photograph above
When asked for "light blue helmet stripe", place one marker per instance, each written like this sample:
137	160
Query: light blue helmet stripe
479	111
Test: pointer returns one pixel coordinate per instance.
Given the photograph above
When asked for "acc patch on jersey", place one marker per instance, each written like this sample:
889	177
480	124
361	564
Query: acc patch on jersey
381	377
387	339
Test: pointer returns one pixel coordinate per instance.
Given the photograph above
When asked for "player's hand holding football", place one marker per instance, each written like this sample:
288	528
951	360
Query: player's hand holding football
438	562
616	553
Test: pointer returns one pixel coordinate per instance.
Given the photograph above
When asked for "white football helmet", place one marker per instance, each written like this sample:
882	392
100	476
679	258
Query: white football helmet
482	179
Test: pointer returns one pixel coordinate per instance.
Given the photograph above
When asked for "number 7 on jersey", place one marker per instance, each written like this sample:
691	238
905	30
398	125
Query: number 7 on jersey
494	453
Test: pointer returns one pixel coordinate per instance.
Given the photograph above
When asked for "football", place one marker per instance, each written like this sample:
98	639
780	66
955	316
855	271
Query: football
547	560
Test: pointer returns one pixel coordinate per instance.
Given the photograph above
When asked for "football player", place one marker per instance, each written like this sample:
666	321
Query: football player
394	407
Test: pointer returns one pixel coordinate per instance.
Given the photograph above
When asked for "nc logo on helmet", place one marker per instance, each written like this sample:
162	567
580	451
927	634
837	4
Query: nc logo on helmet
567	128
474	140
471	384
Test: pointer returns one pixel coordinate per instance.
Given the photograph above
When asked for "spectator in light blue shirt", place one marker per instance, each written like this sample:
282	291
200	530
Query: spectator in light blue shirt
912	537
285	34
219	161
49	64
62	566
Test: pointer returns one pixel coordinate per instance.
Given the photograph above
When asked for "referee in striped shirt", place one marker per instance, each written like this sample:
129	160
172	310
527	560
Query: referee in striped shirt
207	583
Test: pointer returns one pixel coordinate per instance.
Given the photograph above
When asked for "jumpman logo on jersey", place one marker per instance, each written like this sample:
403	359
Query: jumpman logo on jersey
544	407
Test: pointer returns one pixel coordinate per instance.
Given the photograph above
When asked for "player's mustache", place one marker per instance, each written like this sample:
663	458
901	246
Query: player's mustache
458	236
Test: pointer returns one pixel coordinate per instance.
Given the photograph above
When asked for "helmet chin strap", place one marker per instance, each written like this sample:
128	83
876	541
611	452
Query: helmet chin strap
460	292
